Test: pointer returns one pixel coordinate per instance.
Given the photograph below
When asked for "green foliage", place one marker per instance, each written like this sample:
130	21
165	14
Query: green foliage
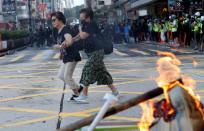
15	34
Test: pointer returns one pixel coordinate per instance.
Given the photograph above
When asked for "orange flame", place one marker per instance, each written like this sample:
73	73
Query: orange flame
169	76
147	116
169	71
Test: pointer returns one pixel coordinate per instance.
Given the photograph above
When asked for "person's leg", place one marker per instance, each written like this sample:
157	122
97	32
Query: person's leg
61	72
68	76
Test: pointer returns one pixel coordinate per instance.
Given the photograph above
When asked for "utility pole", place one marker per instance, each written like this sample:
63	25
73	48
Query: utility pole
43	14
30	16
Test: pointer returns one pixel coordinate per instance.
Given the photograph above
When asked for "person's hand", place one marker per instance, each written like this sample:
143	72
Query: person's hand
64	45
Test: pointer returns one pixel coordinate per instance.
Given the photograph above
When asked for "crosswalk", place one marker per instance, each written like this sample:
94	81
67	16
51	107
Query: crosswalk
30	55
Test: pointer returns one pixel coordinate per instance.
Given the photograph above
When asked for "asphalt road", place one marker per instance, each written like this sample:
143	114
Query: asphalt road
30	92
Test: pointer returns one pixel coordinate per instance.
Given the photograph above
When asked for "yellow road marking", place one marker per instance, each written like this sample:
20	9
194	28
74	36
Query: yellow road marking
119	53
91	110
56	56
17	58
122	92
57	92
31	96
26	83
139	51
124	118
63	115
181	51
28	121
29	110
38	56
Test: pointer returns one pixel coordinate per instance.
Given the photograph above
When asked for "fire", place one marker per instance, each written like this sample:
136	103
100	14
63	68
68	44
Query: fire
170	76
169	71
147	116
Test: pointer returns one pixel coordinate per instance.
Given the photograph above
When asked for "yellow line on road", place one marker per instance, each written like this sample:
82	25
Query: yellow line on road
17	58
66	91
91	110
30	96
26	83
181	50
38	56
121	92
56	56
124	118
31	88
29	110
28	121
63	115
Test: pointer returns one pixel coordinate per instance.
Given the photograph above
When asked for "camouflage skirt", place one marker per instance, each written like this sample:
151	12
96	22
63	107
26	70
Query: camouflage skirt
95	71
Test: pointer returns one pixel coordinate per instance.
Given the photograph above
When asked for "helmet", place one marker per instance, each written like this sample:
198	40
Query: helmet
173	16
197	14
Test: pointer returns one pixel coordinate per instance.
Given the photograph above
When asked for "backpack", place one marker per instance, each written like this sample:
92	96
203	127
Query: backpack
103	43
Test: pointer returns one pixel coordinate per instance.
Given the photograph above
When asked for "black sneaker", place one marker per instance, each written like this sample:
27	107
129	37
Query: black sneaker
72	98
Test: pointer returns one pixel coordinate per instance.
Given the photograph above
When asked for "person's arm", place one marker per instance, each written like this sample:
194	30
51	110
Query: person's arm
83	35
68	41
76	38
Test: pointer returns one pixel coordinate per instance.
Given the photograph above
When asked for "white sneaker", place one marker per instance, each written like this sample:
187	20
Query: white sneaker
116	94
82	99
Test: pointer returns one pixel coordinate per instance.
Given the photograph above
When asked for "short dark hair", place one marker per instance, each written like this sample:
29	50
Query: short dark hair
60	16
88	12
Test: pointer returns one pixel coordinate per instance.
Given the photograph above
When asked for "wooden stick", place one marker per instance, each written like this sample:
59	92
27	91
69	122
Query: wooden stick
115	109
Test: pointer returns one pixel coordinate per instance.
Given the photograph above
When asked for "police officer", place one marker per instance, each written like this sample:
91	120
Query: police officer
196	28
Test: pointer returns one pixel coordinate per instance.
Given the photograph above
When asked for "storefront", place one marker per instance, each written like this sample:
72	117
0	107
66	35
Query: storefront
147	7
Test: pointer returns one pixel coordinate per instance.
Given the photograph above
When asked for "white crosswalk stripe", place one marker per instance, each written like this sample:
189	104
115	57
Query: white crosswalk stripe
119	53
17	58
139	51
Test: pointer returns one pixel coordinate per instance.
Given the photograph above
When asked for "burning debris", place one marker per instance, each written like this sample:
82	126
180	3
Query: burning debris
180	109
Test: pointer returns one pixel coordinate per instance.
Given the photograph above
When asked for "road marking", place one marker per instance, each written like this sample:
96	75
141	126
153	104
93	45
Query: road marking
139	51
57	92
29	110
41	55
156	51
124	118
122	92
119	53
63	115
17	58
181	51
91	110
56	56
28	121
31	96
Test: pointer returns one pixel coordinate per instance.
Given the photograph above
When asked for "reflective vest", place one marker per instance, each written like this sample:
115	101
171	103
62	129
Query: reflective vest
155	27
174	25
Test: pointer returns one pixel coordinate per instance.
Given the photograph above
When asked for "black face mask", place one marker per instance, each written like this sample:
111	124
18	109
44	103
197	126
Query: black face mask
83	22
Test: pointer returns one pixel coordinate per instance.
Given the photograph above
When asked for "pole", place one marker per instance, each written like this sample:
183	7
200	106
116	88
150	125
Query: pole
116	109
43	14
61	108
30	15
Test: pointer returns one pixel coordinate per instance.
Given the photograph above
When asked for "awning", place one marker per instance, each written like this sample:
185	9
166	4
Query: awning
140	3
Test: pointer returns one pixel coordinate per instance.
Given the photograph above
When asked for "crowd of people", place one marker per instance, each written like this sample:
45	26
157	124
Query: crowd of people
177	30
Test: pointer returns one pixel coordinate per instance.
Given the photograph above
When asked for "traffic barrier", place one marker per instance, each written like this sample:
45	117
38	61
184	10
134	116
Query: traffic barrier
12	45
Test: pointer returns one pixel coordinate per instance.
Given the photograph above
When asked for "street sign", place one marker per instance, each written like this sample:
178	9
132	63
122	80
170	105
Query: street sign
42	6
8	6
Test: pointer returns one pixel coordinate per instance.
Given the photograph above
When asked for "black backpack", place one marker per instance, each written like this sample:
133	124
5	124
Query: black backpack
103	43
